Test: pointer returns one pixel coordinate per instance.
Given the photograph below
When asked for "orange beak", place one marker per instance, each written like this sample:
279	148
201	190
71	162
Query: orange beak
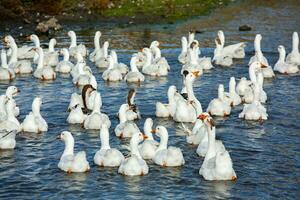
263	66
145	136
153	131
196	73
201	117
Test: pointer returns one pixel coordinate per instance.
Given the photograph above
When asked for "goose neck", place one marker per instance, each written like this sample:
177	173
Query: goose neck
211	151
163	144
104	137
69	147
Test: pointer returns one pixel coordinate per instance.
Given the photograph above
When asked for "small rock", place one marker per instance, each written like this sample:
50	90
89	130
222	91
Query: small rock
26	21
199	31
245	28
48	25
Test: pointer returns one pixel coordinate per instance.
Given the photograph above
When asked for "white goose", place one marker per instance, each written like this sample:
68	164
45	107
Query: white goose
217	165
284	67
43	72
11	123
96	118
12	91
120	66
76	115
21	66
134	76
268	71
6	73
148	147
92	55
112	73
203	145
125	128
101	56
157	58
7	140
152	68
219	106
24	52
51	56
134	165
166	156
34	122
219	57
231	97
64	66
294	56
234	50
182	58
70	162
74	48
193	64
185	110
243	86
106	156
254	111
167	110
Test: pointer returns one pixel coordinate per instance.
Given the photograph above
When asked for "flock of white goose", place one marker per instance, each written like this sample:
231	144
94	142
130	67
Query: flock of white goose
184	107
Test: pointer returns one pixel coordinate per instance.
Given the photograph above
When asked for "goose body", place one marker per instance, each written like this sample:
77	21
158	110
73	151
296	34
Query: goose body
218	106
64	66
70	162
101	60
106	156
112	73
43	72
167	110
76	115
134	165
10	123
34	122
153	68
166	156
8	140
148	147
282	66
294	57
217	165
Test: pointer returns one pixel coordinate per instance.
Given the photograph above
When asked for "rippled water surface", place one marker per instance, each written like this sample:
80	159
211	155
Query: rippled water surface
265	156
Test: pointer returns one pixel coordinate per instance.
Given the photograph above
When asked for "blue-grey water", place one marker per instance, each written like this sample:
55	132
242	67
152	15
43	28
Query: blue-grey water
265	156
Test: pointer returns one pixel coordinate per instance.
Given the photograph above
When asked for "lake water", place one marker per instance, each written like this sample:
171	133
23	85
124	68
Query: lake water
265	156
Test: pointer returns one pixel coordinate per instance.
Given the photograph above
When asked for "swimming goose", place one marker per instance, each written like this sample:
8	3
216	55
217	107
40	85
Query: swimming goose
10	123
267	71
203	145
24	52
19	66
64	66
183	56
7	139
243	86
231	97
84	74
92	55
12	91
101	60
294	56
70	162
168	109
96	118
43	72
185	110
120	66
106	156
255	110
51	56
193	64
74	48
88	94
157	58
234	50
74	100
166	156
134	165
219	106
284	67
112	73
76	115
6	73
152	68
148	147
217	165
34	122
219	57
125	128
134	76
79	63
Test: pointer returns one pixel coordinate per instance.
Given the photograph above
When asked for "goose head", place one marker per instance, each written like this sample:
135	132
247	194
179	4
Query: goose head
172	91
35	39
12	91
154	44
8	40
148	128
98	34
67	137
207	120
162	133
